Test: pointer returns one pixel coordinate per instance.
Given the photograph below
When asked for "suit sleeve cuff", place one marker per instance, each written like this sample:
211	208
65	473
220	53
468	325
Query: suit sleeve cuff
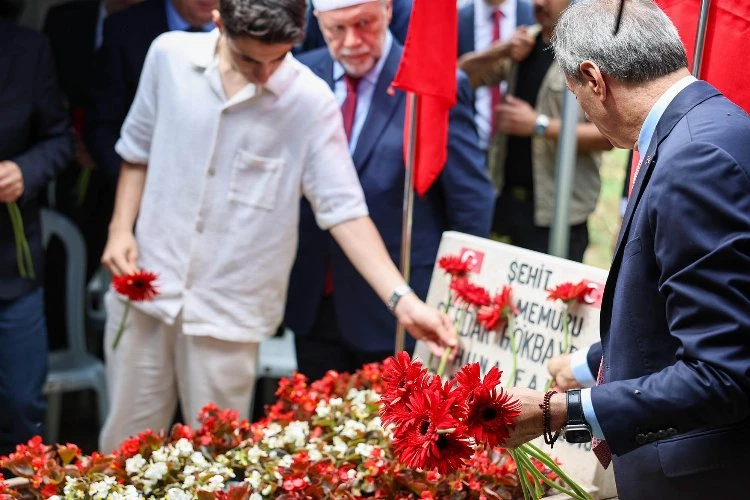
580	367
590	414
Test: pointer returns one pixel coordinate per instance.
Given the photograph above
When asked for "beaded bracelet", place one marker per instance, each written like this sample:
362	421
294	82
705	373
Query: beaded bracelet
549	438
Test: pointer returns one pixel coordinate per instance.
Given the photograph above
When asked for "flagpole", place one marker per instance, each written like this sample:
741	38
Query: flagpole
700	38
408	206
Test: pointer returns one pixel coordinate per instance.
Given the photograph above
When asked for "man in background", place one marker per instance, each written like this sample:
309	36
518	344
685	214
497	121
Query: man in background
338	320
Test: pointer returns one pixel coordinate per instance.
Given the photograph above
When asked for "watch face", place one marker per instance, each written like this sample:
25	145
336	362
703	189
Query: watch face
577	434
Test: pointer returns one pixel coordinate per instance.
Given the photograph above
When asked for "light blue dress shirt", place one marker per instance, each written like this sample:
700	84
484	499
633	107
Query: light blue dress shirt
175	22
578	359
365	90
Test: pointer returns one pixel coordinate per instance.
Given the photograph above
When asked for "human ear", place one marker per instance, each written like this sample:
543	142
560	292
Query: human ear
593	79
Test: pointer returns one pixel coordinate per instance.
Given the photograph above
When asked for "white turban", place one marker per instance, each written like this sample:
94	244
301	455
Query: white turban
324	5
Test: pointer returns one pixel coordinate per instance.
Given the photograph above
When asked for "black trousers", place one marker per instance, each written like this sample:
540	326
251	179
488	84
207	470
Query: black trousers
324	347
514	220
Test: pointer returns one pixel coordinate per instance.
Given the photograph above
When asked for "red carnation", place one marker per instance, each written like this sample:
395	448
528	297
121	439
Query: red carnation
138	286
454	265
469	293
568	292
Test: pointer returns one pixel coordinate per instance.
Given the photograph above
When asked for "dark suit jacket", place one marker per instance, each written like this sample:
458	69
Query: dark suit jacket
34	133
675	318
71	29
127	36
399	26
524	17
461	199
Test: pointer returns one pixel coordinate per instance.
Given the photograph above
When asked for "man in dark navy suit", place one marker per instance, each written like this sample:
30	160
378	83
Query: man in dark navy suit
672	400
338	320
35	144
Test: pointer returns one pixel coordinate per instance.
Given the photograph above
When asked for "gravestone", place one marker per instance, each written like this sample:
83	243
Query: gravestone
538	327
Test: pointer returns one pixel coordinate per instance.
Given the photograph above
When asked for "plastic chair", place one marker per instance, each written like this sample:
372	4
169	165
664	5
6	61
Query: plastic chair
73	368
276	358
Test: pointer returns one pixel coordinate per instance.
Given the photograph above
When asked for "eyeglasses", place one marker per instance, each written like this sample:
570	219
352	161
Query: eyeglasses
619	16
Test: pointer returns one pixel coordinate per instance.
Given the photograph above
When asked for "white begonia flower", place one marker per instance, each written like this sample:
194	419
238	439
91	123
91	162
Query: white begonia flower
352	473
364	450
188	482
135	464
99	490
184	447
339	446
333	402
160	455
296	433
255	453
272	429
267	490
374	424
198	459
322	410
314	454
353	428
55	497
156	471
255	496
373	397
286	461
253	480
178	494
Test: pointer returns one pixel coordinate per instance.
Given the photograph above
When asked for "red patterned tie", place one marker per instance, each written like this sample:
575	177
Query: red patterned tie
635	167
600	447
349	107
495	94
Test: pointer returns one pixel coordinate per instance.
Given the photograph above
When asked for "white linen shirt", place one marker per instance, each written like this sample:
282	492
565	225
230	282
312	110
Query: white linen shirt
219	214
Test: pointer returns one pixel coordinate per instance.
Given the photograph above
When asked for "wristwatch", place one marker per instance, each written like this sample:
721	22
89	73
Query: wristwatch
541	124
576	429
399	292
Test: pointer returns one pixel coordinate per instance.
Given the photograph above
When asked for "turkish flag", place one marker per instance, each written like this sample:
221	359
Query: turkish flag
428	70
724	62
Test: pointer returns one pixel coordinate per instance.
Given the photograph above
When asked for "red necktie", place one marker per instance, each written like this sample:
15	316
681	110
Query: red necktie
495	94
348	111
600	447
349	106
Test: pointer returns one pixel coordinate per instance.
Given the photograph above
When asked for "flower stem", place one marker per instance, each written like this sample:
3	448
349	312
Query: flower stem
448	350
566	332
513	351
523	478
446	431
23	253
540	455
540	475
122	325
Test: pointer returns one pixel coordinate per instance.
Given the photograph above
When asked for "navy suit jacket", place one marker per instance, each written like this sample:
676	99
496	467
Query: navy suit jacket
127	36
399	26
461	199
675	318
34	133
524	17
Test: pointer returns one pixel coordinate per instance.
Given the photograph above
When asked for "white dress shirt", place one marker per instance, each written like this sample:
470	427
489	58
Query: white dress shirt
482	40
219	214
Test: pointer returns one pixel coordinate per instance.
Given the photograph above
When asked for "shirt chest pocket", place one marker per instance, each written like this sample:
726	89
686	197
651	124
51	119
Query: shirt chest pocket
255	180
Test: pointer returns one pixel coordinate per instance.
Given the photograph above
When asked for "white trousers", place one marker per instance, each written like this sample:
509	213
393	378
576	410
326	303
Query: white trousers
155	364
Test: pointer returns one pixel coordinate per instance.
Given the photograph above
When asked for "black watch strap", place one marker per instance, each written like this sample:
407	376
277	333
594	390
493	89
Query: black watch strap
575	407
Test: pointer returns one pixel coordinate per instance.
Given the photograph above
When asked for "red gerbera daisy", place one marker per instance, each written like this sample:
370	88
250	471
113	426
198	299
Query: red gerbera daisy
568	292
432	438
454	265
137	286
402	377
469	293
501	307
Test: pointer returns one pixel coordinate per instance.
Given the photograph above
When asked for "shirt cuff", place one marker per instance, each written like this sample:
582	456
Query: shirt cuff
580	367
590	414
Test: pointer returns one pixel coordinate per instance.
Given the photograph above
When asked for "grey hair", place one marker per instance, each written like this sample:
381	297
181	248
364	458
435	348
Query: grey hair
646	47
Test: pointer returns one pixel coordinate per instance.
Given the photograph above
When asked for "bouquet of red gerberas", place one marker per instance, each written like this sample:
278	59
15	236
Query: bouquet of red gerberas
441	425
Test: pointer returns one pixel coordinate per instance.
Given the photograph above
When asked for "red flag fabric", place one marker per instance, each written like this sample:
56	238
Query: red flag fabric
428	69
724	53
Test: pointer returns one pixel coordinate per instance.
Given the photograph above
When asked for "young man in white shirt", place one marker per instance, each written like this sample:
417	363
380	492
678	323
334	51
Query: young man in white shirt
232	130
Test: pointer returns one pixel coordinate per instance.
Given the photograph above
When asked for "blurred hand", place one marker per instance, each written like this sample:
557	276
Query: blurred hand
521	44
427	324
121	253
11	181
515	117
562	373
530	423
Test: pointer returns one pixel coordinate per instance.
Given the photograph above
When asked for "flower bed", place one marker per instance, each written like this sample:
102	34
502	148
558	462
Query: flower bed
319	440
